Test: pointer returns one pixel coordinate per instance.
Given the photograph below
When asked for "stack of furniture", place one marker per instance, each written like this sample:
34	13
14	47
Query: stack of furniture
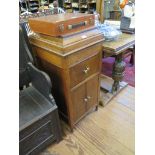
83	6
71	55
39	123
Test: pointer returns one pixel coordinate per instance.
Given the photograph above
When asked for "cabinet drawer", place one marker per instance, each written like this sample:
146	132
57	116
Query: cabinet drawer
34	140
83	70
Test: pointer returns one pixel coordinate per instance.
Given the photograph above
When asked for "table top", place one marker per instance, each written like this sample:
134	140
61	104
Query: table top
124	42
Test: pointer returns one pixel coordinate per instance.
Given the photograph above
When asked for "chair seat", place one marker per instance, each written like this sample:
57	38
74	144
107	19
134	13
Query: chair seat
32	106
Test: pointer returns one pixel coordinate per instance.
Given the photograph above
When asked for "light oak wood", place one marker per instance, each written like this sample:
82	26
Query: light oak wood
109	131
84	69
73	63
61	24
118	46
65	46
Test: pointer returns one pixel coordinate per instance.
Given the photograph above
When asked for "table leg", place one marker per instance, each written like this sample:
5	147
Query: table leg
132	60
118	72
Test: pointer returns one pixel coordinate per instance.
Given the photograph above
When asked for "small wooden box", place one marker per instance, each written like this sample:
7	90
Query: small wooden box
61	24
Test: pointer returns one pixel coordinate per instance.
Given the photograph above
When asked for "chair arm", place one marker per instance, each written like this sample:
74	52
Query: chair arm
41	81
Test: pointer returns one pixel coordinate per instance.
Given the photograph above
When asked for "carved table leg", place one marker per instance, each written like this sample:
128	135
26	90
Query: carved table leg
118	72
132	60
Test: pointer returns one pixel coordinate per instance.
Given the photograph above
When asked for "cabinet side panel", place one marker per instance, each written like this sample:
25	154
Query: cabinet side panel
58	90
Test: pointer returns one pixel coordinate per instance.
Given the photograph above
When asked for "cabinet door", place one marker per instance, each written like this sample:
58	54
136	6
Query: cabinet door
85	97
79	103
92	91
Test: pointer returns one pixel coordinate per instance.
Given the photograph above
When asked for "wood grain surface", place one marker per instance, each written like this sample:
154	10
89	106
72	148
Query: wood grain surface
109	131
115	47
58	24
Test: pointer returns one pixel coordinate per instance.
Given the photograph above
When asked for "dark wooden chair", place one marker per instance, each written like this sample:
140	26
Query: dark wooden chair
39	123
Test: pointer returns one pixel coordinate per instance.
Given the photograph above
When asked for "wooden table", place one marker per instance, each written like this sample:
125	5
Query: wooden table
117	49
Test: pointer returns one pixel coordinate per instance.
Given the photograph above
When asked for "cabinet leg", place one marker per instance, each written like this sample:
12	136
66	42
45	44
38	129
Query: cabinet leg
118	72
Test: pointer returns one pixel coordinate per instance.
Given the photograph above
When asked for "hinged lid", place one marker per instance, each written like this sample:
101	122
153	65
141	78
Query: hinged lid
61	24
67	45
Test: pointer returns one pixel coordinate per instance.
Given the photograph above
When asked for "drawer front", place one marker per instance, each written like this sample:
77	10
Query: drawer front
37	139
83	70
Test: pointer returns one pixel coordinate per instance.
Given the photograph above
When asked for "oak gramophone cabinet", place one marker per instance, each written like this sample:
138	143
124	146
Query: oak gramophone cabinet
73	63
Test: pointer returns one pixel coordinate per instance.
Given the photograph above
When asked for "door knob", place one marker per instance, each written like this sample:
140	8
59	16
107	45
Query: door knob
86	70
88	97
86	100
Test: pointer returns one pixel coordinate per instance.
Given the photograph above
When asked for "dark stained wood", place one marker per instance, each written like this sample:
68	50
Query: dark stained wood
117	49
38	114
118	71
68	68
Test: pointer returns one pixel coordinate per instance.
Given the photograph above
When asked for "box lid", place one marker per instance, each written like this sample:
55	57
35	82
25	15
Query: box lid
66	45
60	17
61	24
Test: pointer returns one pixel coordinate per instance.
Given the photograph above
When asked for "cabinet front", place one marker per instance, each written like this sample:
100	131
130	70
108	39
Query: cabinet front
78	101
92	89
85	97
84	70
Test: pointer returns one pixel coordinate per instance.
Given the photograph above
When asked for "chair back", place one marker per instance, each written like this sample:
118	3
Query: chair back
24	57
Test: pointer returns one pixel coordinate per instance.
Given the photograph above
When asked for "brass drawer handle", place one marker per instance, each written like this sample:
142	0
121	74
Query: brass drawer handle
70	27
86	70
86	100
89	97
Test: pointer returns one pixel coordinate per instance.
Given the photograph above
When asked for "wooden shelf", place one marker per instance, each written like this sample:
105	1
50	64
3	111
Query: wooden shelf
82	6
68	6
33	5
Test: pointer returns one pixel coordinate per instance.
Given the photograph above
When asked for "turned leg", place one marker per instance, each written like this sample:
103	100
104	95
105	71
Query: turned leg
118	72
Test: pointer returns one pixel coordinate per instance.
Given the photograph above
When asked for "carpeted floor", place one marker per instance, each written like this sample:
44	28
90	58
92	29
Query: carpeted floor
129	77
